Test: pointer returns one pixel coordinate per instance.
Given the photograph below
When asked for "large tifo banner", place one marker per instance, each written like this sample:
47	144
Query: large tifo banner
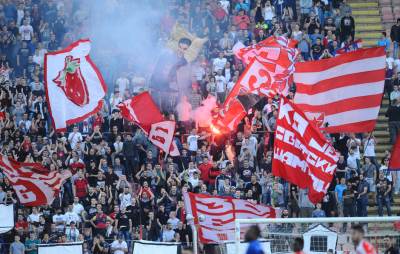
6	218
141	247
66	248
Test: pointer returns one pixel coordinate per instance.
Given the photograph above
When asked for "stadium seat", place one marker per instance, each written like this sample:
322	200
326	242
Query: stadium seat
385	2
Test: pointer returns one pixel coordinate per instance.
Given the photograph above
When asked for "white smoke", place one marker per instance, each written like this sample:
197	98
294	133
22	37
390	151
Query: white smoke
124	33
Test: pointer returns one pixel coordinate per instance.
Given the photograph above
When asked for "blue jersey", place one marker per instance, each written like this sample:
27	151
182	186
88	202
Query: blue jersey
254	248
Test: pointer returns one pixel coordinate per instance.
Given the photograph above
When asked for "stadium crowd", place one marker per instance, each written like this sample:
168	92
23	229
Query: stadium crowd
122	188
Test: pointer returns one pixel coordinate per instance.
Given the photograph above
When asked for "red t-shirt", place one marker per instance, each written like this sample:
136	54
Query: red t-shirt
81	187
241	21
204	169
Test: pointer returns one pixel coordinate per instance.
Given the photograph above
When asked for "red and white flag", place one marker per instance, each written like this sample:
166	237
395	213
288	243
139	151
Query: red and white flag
33	184
216	216
394	163
161	134
276	57
269	71
74	86
302	155
173	150
342	93
141	110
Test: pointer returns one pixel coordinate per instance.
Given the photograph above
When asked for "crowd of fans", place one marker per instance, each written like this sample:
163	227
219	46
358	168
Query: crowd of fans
122	188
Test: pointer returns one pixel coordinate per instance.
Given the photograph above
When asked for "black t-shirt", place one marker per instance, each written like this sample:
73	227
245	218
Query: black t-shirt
293	189
347	199
392	250
382	186
245	174
123	222
341	166
317	50
256	188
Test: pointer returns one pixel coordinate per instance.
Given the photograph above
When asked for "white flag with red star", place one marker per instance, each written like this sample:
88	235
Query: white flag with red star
74	85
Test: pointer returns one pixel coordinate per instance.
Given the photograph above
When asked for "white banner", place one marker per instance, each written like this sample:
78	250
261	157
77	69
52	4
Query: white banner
67	248
6	218
141	247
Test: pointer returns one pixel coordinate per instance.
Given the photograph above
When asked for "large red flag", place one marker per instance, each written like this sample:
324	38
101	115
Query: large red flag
344	93
141	110
74	86
216	216
394	163
302	155
270	66
33	184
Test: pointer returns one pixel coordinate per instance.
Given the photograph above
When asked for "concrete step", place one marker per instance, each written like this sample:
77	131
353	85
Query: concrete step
374	210
363	5
368	35
383	148
380	155
367	20
369	27
368	42
372	12
380	133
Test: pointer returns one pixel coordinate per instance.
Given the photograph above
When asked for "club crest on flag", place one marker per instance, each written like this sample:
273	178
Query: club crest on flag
318	118
72	82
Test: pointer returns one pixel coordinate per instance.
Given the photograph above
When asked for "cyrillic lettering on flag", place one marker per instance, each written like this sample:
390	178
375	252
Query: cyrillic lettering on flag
161	134
216	216
302	155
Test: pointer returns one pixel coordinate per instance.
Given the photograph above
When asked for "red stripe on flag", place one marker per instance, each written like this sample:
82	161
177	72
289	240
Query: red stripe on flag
325	64
394	163
344	105
364	126
341	81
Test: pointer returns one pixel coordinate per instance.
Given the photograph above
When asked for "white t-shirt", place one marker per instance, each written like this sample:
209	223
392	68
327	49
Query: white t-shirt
369	147
59	218
34	217
174	222
227	75
126	200
122	83
26	32
397	64
230	85
221	83
389	62
192	142
74	138
71	216
77	208
118	245
219	63
168	235
394	95
352	161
